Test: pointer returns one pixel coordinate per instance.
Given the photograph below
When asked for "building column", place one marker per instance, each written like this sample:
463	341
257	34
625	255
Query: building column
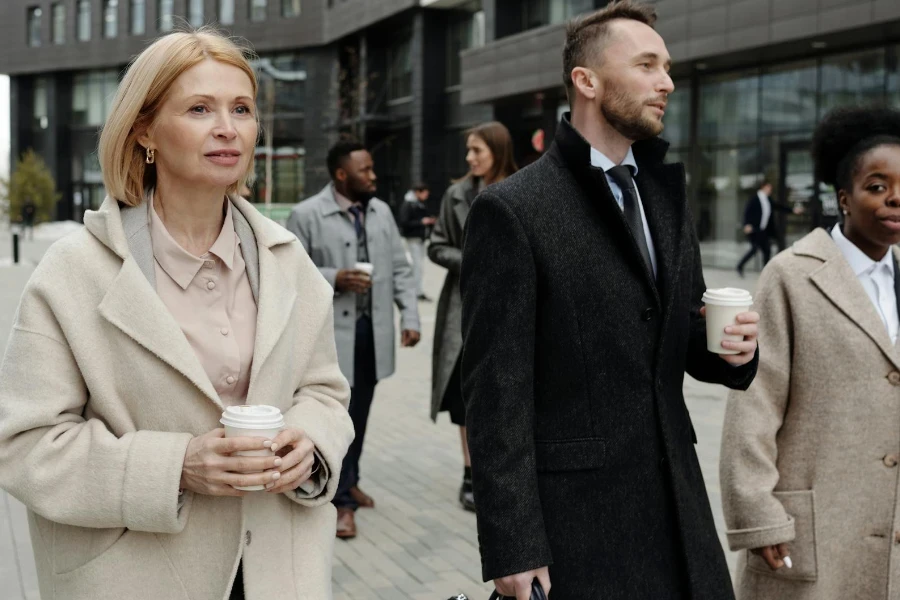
321	122
419	91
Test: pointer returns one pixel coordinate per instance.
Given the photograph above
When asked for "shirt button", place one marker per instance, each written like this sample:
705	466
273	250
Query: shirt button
890	460
210	285
647	314
229	380
223	331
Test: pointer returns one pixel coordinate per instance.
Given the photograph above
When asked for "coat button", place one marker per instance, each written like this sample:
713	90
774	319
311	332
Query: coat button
647	314
248	538
894	377
346	313
890	460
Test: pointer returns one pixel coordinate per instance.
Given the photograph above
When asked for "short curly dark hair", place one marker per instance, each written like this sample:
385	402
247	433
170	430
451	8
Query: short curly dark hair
844	135
340	151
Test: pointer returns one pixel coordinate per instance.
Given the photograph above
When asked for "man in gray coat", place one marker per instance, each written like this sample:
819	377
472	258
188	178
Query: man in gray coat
340	227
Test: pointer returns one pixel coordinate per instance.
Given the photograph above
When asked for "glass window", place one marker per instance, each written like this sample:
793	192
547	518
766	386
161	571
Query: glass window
226	12
893	76
729	108
34	26
166	15
400	70
84	20
290	8
138	17
59	23
195	13
789	98
678	116
462	34
537	13
852	79
258	10
92	95
110	18
39	106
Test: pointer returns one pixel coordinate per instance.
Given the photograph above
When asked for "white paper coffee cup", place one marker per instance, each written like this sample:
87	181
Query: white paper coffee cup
722	308
256	420
368	268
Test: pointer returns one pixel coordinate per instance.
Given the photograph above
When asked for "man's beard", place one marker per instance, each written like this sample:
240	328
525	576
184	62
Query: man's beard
626	115
360	196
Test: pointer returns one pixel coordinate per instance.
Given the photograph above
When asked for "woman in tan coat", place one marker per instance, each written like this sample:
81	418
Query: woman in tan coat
175	301
489	153
810	452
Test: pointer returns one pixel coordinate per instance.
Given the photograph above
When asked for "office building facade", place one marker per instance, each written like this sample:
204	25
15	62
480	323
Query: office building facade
387	71
752	79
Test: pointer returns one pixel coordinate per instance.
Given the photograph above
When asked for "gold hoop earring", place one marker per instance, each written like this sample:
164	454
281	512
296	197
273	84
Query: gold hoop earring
151	156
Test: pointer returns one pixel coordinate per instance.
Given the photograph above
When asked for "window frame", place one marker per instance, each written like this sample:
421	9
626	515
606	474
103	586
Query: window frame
135	8
165	26
110	7
83	29
34	15
285	14
252	6
55	9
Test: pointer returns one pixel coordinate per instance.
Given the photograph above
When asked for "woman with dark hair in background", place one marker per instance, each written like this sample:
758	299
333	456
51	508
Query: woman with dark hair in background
489	152
810	452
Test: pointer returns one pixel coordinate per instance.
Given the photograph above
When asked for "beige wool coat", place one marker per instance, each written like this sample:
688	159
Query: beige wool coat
100	393
810	451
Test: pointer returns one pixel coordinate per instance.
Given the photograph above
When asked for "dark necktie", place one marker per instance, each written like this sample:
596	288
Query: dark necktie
631	207
357	220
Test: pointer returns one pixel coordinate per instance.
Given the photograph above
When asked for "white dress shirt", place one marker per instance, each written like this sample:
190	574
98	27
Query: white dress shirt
600	160
766	210
877	278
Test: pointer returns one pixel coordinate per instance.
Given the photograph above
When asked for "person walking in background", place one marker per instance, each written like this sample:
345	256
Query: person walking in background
581	287
489	152
415	223
809	462
28	213
353	239
176	300
760	224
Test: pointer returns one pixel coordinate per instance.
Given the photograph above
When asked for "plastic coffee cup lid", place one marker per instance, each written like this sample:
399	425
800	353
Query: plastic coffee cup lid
256	416
728	297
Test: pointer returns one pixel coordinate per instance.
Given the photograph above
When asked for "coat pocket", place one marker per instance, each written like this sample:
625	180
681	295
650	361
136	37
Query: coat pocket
76	547
800	506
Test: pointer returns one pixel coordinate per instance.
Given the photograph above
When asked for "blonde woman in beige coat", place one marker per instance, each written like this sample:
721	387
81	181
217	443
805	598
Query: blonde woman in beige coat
810	463
176	300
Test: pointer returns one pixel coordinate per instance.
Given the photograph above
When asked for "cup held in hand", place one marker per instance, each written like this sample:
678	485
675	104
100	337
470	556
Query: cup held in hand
257	420
722	308
365	267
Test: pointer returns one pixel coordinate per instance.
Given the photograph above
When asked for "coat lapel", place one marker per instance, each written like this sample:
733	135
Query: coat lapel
837	281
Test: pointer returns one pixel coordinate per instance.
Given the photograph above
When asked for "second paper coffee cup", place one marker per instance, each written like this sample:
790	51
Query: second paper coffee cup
367	268
256	420
722	308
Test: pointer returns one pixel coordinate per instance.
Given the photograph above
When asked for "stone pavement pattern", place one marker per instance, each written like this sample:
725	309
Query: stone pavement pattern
417	544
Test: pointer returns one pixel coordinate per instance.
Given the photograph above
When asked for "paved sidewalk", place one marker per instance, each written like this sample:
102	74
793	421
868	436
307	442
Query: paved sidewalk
417	544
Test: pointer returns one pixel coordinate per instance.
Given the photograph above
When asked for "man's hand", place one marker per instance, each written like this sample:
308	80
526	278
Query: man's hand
748	229
428	221
352	280
519	586
748	326
210	469
409	338
799	210
775	556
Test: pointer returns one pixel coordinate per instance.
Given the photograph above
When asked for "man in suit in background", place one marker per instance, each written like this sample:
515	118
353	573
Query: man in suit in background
581	283
760	224
341	226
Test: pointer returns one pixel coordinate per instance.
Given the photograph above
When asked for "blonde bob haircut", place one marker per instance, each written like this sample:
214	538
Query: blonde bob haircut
140	95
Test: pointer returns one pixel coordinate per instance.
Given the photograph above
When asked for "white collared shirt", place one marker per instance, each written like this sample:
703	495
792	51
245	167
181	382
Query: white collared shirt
877	278
600	160
766	210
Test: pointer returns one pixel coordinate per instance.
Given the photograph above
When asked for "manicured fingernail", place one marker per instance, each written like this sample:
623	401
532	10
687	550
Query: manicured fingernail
276	475
274	447
277	462
729	329
267	443
788	563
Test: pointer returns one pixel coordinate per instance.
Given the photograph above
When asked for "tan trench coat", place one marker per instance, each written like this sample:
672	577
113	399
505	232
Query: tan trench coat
100	393
810	450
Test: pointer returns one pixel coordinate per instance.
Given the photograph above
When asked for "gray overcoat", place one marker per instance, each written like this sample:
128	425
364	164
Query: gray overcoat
330	239
445	249
810	450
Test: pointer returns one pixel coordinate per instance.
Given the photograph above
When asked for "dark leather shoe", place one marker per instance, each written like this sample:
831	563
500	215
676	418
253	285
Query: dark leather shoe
346	523
361	498
467	497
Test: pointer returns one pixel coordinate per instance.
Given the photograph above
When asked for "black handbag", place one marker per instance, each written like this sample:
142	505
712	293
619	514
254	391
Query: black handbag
537	592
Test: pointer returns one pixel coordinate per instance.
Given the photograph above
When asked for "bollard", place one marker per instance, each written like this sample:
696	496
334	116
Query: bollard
16	248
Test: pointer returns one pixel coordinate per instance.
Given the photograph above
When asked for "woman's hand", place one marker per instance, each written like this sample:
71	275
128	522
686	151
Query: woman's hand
296	467
210	469
775	556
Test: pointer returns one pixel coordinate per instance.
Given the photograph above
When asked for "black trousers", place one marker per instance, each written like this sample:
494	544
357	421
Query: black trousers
759	242
361	394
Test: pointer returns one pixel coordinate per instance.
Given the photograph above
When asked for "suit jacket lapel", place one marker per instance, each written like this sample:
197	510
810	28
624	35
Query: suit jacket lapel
837	281
662	192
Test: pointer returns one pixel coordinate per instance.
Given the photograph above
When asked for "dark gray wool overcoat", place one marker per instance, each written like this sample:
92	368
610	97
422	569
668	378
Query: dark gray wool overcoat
573	361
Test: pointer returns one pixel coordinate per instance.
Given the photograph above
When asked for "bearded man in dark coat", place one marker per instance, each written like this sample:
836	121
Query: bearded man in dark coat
581	284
